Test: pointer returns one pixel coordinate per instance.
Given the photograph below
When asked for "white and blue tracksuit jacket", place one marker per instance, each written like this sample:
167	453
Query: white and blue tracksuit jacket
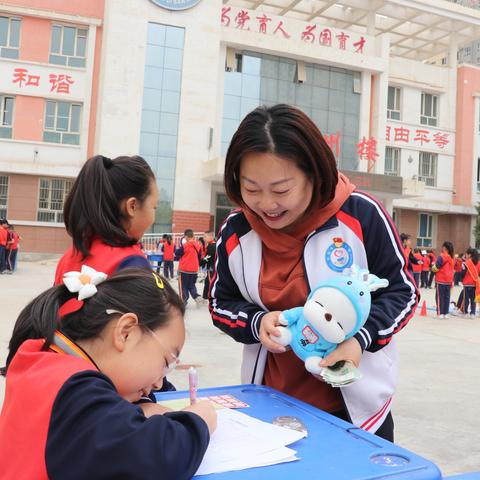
361	232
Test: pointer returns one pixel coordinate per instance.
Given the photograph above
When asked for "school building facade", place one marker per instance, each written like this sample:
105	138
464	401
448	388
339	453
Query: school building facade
172	79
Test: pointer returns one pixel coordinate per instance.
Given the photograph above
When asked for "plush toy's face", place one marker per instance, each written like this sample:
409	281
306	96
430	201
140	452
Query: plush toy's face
331	313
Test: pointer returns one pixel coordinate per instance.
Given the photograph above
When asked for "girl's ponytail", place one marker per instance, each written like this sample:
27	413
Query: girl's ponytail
39	319
93	206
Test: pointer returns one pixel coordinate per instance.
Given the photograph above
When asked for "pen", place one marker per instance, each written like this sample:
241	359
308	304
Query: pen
192	384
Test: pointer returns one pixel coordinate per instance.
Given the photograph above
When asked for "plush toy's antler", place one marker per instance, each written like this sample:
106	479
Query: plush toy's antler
372	281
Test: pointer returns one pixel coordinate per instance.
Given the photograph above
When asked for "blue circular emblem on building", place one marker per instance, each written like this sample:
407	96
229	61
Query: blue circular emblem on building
176	4
339	255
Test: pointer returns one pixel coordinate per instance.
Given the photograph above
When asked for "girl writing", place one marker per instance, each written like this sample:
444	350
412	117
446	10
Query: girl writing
302	221
70	384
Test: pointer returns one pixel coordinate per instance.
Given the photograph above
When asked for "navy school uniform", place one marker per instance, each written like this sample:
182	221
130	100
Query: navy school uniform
62	418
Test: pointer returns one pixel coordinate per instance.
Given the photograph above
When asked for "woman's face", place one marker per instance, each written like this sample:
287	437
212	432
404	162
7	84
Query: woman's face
274	188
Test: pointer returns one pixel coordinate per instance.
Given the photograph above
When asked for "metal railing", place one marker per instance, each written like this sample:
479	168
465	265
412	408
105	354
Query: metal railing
150	241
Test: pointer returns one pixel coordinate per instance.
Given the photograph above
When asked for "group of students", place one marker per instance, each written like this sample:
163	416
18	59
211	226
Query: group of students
192	254
9	241
448	269
91	350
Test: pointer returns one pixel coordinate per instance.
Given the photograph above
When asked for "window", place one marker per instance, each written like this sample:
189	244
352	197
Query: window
467	51
9	37
393	103
62	123
68	46
392	161
425	230
6	116
444	60
428	111
3	196
53	192
427	168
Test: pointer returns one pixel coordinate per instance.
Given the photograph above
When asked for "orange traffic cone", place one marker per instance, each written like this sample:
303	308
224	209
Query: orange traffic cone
423	311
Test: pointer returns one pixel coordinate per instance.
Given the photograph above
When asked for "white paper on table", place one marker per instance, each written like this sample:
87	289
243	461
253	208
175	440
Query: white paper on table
241	442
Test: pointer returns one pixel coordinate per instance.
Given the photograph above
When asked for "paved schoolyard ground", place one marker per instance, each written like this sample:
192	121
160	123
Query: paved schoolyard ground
436	406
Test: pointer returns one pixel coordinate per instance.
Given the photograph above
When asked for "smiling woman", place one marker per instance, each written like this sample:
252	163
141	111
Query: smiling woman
302	222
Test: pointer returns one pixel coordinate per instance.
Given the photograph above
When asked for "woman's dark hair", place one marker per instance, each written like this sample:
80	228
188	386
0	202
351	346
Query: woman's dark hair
473	252
93	204
449	247
135	290
169	239
287	132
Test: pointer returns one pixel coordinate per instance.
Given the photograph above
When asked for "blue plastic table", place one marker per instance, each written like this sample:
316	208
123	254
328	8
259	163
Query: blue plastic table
155	259
333	450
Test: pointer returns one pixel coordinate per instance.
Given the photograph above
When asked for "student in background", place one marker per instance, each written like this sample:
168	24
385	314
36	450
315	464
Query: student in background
301	221
443	269
417	267
3	244
433	259
12	248
168	257
190	254
407	251
471	282
82	374
425	269
457	268
209	262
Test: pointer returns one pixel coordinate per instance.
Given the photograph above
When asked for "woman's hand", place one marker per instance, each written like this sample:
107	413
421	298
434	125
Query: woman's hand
268	326
348	350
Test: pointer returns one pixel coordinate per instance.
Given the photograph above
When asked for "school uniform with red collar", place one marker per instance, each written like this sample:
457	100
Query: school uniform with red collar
242	292
103	258
63	418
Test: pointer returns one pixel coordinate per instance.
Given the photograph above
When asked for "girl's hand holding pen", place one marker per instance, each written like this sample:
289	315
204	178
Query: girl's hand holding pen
206	410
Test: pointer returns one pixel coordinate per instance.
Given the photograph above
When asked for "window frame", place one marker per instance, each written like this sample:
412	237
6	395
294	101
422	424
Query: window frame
478	175
57	213
63	134
4	127
426	241
8	46
60	52
395	112
431	179
429	118
4	186
396	157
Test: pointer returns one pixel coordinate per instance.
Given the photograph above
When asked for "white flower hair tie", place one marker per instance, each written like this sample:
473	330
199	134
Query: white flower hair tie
84	282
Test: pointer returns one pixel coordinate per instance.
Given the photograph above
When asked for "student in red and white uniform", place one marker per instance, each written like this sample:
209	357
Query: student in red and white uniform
190	253
443	269
12	248
168	257
425	269
110	206
3	244
300	222
72	385
417	267
471	282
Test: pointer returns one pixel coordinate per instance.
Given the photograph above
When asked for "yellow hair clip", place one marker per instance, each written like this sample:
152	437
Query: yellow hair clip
158	280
